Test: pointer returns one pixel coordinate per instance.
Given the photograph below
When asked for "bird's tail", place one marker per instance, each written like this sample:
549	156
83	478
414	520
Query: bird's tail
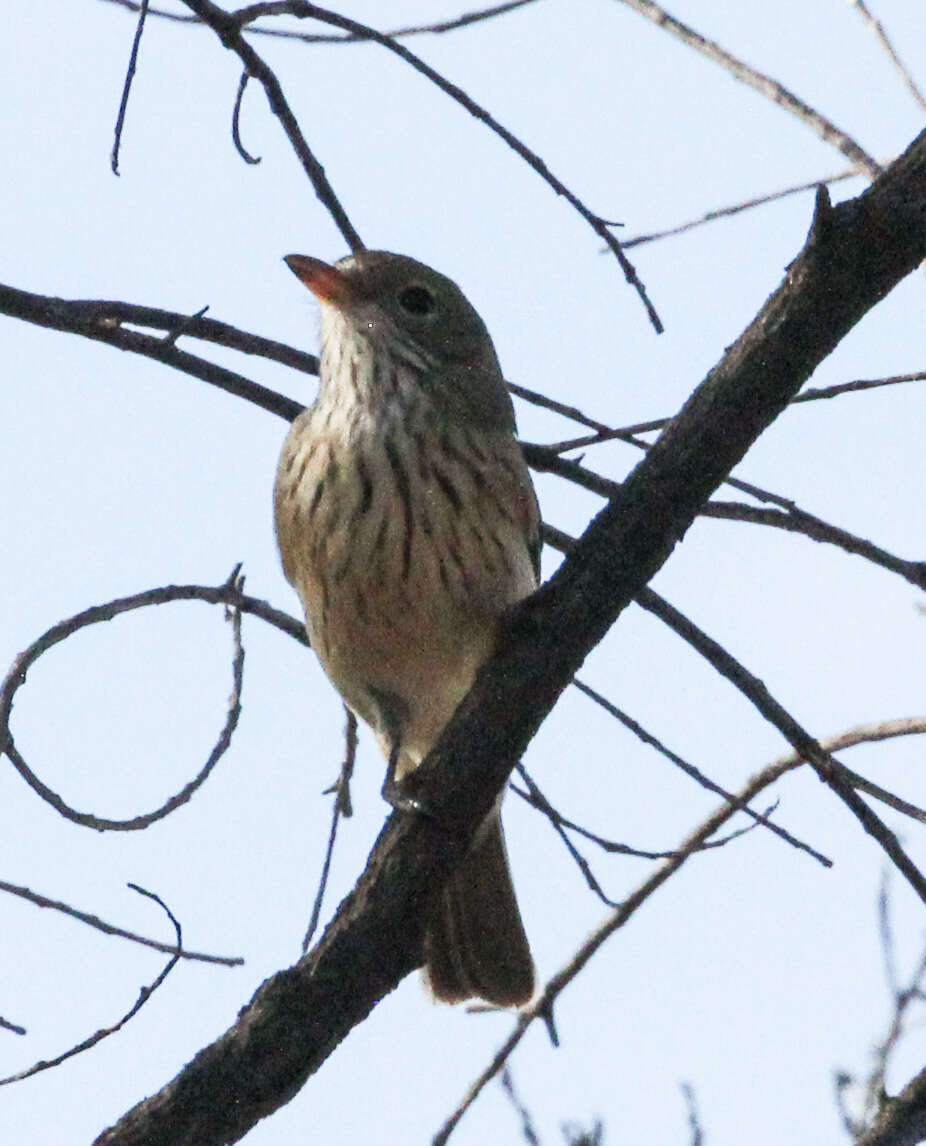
476	945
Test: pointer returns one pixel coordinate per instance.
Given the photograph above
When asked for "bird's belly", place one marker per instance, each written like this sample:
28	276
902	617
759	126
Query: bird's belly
404	561
400	643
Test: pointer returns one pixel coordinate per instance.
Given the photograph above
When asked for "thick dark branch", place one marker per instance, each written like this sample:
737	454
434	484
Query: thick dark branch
902	1119
853	257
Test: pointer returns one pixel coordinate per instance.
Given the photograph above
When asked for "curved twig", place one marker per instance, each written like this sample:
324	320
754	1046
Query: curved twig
110	929
304	11
236	121
143	996
228	594
536	799
227	27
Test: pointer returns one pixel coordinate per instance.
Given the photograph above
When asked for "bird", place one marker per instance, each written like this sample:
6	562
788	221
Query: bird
408	524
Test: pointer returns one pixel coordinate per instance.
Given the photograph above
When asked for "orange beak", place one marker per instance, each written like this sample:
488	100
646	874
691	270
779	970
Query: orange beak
326	282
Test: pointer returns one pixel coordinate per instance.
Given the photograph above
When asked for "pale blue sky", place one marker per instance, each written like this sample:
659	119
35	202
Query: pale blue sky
755	973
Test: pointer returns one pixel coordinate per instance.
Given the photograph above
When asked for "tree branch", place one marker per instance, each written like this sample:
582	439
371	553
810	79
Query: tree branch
758	81
854	255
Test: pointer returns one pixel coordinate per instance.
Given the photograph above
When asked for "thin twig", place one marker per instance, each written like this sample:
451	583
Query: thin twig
542	1005
794	520
878	28
797	520
828	769
528	1132
226	26
759	82
303	10
612	847
627	433
537	799
143	996
111	929
814	394
694	1119
340	808
127	86
67	316
105	319
695	773
737	208
236	121
464	21
880	1119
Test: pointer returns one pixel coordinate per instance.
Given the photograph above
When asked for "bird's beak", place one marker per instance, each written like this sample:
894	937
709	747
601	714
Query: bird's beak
326	282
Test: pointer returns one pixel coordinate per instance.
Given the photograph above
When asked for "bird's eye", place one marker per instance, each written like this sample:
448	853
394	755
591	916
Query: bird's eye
417	300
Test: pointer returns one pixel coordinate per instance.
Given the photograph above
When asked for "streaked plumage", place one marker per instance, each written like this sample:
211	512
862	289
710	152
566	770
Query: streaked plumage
408	524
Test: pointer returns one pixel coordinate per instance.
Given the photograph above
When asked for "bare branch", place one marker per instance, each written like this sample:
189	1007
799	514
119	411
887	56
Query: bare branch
855	254
537	800
605	433
828	769
127	86
795	520
227	27
737	208
464	21
303	10
143	996
882	1120
695	773
236	121
694	1119
693	843
902	1119
543	1004
228	594
101	322
815	394
884	40
111	929
341	807
528	1133
759	82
